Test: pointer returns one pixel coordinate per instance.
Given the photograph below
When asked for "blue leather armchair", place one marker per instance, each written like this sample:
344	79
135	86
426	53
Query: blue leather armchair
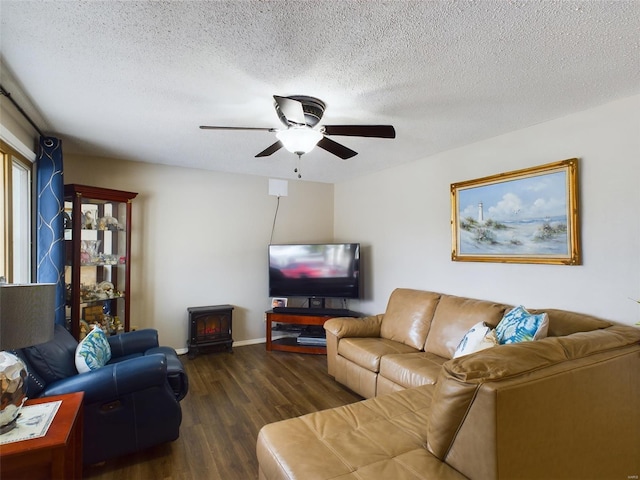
130	404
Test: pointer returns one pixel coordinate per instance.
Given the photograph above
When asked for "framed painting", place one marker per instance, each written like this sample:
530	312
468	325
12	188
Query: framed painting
524	216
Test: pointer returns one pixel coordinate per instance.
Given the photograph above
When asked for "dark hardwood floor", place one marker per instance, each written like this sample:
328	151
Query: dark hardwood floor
231	396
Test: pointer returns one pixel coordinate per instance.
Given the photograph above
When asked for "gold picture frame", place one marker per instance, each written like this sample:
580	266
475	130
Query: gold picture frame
523	216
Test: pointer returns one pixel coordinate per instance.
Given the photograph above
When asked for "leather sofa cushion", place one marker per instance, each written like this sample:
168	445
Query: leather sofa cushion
367	352
133	342
412	369
454	317
408	316
563	322
34	382
583	344
54	360
378	439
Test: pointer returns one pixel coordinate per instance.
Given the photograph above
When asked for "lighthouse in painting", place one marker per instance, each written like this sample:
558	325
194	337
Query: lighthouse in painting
480	213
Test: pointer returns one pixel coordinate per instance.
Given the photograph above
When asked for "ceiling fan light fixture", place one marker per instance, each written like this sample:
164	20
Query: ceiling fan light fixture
299	140
300	116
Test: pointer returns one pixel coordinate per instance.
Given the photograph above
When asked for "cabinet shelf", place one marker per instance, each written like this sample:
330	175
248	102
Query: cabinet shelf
98	244
97	229
290	344
99	301
101	264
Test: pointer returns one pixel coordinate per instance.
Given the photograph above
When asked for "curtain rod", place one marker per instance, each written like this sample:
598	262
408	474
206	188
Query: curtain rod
24	114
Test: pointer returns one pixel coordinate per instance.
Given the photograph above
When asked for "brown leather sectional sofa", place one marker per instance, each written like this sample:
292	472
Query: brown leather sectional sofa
566	406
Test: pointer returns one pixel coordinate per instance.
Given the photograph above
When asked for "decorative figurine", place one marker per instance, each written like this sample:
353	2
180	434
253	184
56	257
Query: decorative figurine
89	220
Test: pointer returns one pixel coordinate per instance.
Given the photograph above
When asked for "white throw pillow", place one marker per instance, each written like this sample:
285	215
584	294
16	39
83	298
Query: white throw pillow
474	340
93	351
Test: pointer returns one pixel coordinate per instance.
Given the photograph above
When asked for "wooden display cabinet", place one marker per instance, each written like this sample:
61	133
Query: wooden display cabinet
98	254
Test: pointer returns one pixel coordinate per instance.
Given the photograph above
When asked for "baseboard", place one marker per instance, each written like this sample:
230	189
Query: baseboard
252	341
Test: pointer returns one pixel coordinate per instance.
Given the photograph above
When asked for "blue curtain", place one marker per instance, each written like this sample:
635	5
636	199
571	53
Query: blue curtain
50	211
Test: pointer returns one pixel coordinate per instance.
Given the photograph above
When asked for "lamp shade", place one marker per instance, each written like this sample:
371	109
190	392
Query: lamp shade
299	140
27	314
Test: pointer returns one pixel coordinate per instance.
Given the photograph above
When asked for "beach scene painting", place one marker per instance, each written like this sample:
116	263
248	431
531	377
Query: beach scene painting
527	216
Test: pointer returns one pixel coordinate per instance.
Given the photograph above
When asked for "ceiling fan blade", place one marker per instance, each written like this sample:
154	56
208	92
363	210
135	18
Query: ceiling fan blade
335	148
292	109
212	127
379	131
271	149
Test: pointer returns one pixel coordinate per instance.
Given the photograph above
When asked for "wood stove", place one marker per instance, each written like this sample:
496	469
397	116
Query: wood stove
209	327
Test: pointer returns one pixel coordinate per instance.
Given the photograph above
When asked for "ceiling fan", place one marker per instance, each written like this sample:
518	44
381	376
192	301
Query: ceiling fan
300	115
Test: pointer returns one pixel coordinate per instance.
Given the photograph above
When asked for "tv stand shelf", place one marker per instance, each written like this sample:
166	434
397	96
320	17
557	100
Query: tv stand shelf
290	344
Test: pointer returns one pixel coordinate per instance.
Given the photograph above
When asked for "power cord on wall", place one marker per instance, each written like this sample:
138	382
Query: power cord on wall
275	216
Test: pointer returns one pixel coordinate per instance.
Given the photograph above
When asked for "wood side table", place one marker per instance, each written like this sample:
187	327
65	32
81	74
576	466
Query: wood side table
57	455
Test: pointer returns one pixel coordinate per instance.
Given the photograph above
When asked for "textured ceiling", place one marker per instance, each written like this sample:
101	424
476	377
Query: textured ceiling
135	79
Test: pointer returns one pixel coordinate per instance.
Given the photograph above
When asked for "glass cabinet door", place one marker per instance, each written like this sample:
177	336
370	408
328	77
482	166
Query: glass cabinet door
97	272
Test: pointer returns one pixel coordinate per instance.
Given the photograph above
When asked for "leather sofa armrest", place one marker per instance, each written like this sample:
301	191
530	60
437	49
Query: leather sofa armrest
138	341
113	381
342	327
354	327
178	379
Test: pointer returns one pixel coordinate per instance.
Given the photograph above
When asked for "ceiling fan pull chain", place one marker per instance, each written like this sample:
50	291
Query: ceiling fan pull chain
298	169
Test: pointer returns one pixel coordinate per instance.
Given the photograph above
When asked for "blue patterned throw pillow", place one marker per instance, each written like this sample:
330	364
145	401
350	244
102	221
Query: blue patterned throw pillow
518	325
93	351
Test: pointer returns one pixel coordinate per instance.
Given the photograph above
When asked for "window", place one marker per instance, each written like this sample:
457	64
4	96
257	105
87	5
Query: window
15	211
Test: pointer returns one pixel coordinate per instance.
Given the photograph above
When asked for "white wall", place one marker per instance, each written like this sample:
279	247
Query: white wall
200	238
402	218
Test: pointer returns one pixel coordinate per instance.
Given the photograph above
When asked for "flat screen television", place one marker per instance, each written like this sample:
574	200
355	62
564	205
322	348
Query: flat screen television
330	270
